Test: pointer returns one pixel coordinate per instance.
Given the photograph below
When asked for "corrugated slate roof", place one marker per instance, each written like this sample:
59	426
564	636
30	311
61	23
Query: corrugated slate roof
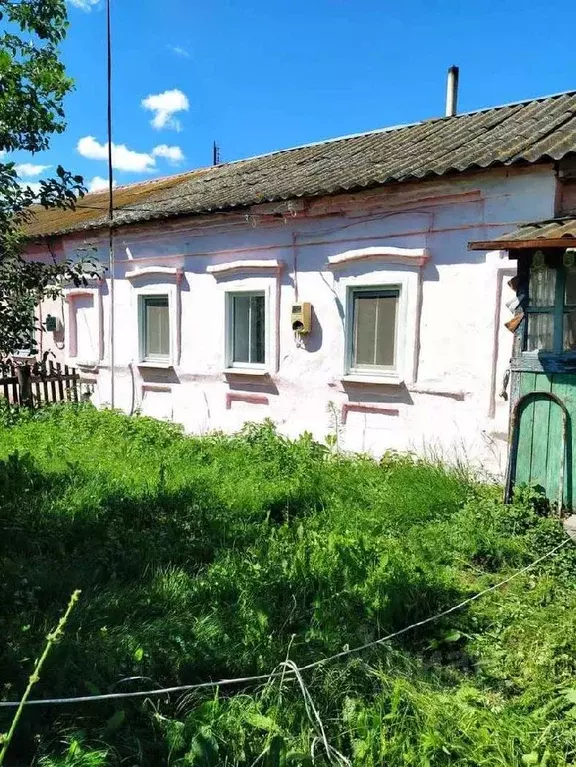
522	133
554	233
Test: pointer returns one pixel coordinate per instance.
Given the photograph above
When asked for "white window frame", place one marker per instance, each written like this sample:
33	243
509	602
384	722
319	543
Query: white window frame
230	364
165	359
405	278
157	281
74	354
371	370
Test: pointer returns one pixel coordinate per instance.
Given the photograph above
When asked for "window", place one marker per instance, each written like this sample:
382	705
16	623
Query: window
86	318
154	328
551	305
374	318
246	329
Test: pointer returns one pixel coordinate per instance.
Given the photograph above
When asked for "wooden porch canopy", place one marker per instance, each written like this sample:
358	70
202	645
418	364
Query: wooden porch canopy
554	233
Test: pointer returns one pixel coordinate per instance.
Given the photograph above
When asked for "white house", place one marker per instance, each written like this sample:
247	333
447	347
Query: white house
406	346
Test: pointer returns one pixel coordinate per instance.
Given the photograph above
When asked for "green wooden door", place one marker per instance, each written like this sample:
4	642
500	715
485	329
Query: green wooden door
544	448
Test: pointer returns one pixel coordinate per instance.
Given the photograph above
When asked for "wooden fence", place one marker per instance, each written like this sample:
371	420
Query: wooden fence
35	384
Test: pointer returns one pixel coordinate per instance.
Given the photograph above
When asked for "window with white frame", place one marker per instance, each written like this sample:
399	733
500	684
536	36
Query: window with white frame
85	317
246	329
373	329
154	326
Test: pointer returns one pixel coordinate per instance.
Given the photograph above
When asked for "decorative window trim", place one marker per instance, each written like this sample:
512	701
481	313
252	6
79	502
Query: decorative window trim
406	279
269	284
367	407
151	271
153	287
359	374
70	295
250	265
251	399
160	361
390	255
247	368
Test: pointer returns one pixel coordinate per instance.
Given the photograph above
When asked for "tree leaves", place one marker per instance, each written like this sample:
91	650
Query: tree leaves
33	84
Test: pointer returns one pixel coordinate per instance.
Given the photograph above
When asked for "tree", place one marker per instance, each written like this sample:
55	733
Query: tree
33	84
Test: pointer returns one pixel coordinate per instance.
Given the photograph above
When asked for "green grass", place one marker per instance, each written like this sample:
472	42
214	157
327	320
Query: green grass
203	557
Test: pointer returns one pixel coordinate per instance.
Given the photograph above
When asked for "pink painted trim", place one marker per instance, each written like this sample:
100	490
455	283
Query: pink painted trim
506	270
391	255
360	407
254	399
313	243
248	265
96	294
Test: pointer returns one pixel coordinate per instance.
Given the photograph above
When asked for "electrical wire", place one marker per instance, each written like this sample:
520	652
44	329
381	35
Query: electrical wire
111	254
284	673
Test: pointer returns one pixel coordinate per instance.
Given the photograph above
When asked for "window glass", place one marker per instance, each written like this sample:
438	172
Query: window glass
156	327
569	331
570	287
374	328
248	329
542	286
540	335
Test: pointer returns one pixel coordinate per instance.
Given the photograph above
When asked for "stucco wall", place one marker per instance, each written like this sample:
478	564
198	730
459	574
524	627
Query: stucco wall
453	345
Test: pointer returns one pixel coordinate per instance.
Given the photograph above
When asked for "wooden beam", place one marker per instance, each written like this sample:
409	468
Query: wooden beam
542	242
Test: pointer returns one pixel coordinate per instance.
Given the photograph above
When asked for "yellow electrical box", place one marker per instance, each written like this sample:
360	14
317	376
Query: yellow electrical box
302	318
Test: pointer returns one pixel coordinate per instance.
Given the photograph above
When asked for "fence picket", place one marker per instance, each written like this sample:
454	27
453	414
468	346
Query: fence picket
38	383
44	375
5	382
37	389
14	379
59	381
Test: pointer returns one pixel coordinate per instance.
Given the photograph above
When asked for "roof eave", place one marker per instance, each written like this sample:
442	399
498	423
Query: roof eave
539	242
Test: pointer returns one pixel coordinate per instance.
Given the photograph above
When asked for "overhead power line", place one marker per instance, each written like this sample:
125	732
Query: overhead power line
285	674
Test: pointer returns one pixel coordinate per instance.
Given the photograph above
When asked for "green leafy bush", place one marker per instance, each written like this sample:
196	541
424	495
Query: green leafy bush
204	557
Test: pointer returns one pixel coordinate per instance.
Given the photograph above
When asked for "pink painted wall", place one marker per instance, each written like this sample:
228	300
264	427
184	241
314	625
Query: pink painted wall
452	345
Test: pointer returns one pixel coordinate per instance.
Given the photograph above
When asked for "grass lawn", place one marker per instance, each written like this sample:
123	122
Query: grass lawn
217	556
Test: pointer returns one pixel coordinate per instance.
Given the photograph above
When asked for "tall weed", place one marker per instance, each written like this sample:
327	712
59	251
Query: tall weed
202	557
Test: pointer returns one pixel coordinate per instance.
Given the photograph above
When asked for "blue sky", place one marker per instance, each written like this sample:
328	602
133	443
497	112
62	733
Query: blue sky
258	76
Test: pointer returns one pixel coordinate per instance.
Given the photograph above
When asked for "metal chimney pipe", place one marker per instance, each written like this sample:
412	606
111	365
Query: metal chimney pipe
452	91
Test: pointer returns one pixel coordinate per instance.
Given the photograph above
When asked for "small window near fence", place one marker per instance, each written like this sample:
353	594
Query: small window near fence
551	304
246	329
154	328
374	325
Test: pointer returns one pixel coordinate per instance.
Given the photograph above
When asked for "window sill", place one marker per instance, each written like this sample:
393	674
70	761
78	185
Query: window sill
389	380
88	366
157	365
245	372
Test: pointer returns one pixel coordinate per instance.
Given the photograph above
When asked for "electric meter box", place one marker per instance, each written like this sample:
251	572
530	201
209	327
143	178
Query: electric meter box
53	324
302	318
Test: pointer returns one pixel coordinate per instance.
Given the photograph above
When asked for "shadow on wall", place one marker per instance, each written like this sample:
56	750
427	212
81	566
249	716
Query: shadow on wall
256	384
377	393
313	342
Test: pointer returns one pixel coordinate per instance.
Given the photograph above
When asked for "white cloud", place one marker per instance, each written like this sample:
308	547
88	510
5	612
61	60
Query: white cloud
35	186
98	184
182	52
165	106
173	154
84	5
28	169
122	157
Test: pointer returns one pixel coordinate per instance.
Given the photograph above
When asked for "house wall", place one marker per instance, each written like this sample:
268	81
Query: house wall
453	348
